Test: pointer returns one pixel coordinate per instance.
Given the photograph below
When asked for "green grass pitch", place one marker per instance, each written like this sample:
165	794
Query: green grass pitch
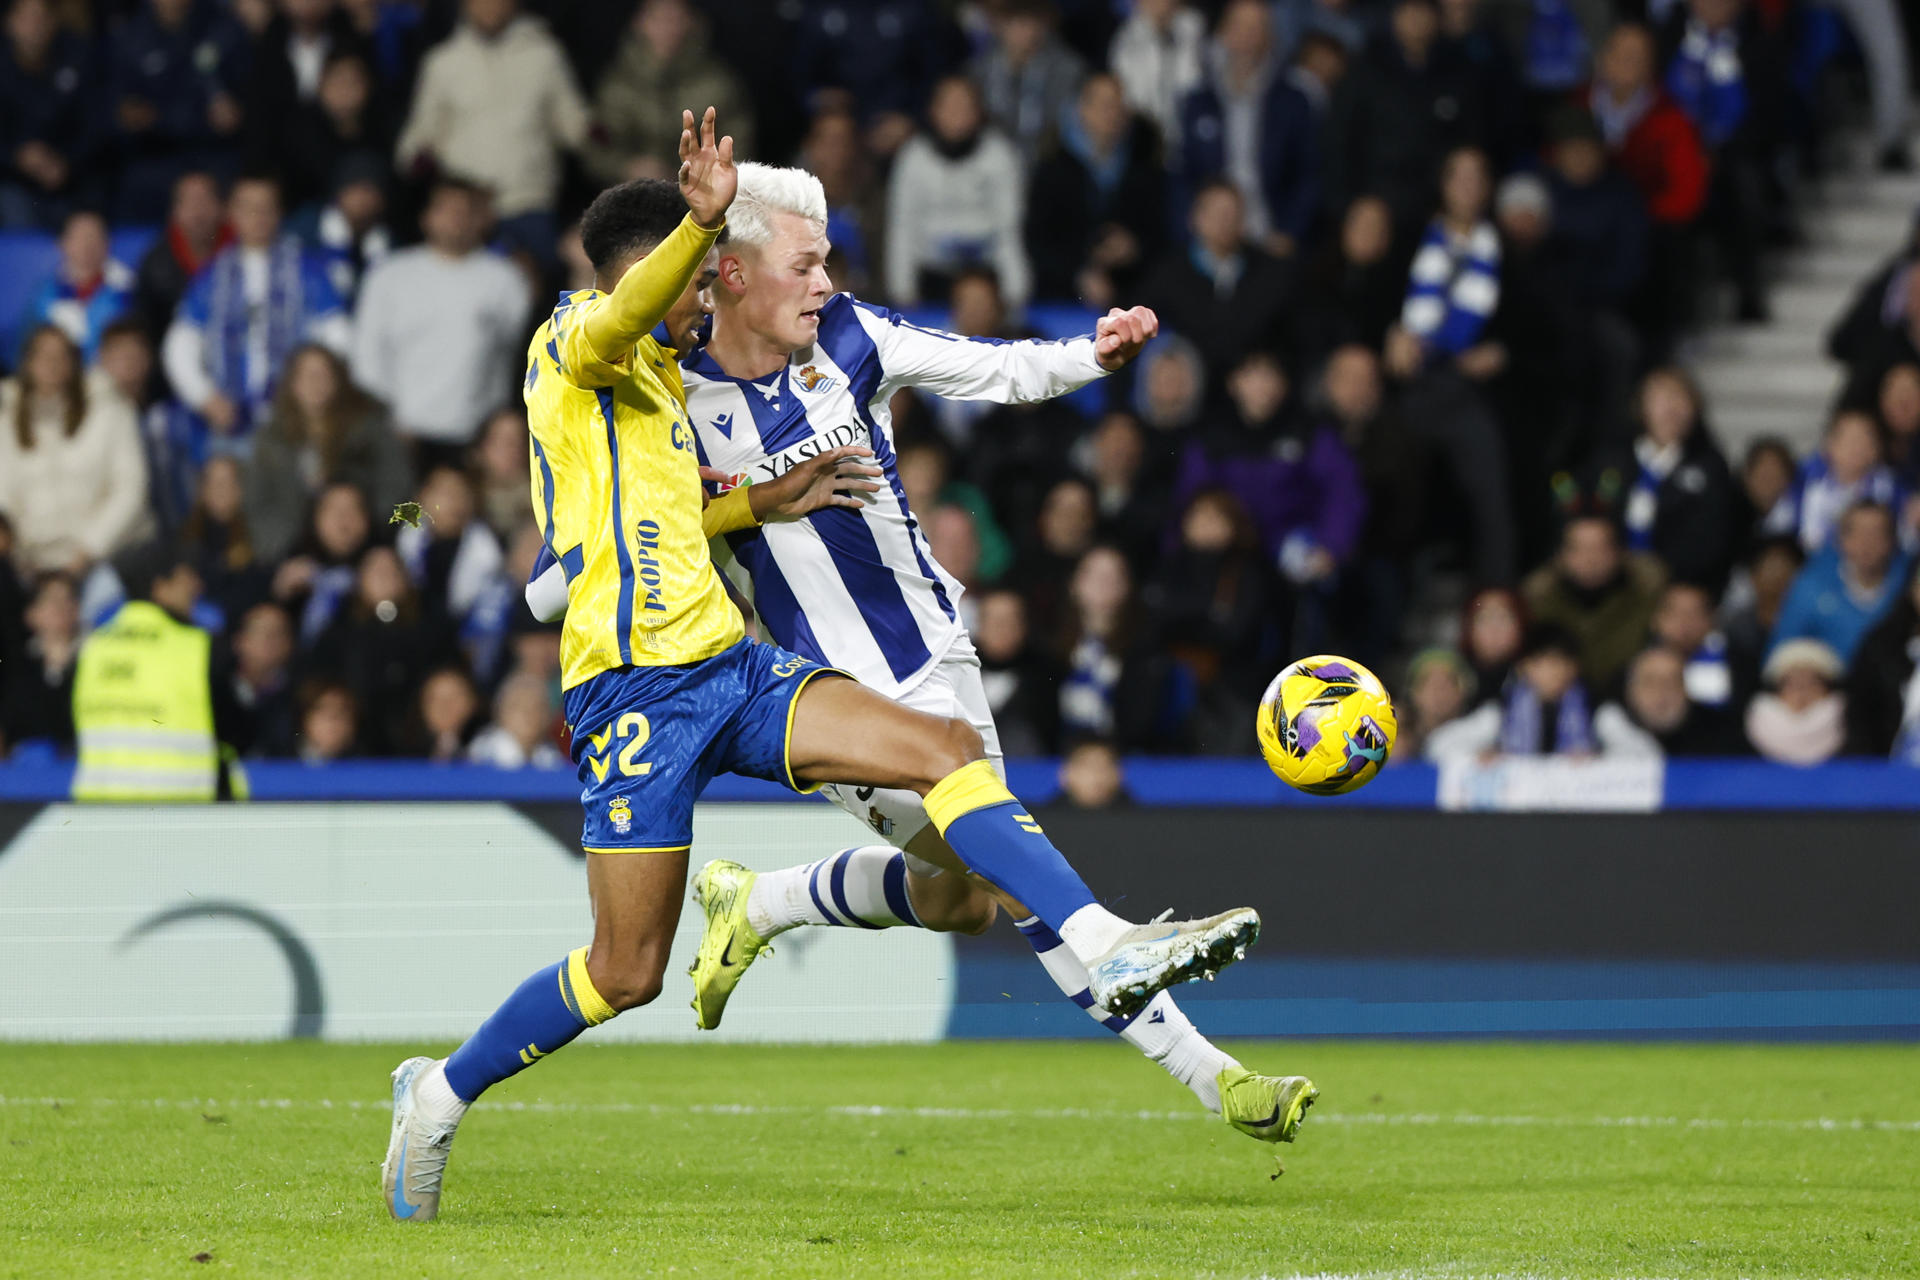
1004	1160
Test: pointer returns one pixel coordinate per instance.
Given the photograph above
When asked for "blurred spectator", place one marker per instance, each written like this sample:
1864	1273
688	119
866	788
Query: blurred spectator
1728	74
1248	123
1297	22
37	681
286	128
664	66
1602	596
1680	499
452	555
215	538
1881	330
1848	587
957	197
1846	470
48	126
1130	497
501	466
1493	627
1412	101
1767	477
1172	386
1096	211
955	544
1440	347
441	326
177	72
1106	689
329	723
1353	288
341	137
1294	476
1091	776
323	430
1066	525
446	717
1019	681
317	579
196	229
521	735
1885	50
1883	695
1554	50
245	312
877	55
382	643
1028	78
1439	689
1224	294
1157	56
261	682
1900	421
495	105
349	233
1214	606
1752	608
835	152
1658	701
88	291
1599	219
1544	710
72	476
1800	717
1715	674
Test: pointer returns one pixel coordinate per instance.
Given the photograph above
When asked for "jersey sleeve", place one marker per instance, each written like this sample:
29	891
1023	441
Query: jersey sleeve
594	336
958	368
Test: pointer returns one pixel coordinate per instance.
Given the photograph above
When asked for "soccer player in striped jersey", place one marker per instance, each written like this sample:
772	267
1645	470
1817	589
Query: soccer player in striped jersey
793	370
664	690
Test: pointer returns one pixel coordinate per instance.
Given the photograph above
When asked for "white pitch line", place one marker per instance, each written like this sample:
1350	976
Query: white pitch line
1811	1124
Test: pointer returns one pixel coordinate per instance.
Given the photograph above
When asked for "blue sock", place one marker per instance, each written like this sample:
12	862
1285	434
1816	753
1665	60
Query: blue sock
544	1013
1000	841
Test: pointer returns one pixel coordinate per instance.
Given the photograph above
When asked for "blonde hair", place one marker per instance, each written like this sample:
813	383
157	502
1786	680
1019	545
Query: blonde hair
766	190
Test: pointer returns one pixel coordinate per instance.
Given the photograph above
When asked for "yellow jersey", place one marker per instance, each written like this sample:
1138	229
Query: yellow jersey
616	483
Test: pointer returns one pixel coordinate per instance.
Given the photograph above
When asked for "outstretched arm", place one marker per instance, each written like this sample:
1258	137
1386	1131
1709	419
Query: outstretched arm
1005	372
652	285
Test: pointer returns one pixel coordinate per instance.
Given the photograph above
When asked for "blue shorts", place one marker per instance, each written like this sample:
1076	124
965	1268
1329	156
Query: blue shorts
647	740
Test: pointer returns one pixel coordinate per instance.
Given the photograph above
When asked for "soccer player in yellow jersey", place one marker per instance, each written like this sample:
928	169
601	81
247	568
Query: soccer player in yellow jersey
663	690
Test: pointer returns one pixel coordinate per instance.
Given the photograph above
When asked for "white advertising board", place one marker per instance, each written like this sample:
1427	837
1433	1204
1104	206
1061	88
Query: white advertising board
394	922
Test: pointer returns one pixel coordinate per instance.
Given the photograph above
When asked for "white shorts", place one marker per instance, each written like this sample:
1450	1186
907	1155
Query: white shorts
951	689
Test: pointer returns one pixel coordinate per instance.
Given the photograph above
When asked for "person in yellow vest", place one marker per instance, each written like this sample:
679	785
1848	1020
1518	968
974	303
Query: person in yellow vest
143	693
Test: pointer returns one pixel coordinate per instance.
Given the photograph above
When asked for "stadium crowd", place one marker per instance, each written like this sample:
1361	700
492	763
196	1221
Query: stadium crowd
1426	267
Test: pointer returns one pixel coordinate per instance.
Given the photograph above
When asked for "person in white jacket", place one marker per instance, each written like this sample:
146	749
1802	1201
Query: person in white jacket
73	478
958	198
1158	57
496	104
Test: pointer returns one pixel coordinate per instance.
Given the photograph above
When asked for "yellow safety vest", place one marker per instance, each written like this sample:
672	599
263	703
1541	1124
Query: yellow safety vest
143	710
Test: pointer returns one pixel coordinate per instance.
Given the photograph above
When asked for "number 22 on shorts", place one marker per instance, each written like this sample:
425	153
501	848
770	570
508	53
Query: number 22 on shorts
634	730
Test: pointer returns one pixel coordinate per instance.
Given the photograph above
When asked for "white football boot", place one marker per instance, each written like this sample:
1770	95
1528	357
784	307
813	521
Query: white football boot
1153	957
416	1151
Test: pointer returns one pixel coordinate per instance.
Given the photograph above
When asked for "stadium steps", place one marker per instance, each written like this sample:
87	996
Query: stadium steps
1776	379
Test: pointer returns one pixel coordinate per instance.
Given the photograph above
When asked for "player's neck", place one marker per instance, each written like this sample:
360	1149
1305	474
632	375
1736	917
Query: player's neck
742	353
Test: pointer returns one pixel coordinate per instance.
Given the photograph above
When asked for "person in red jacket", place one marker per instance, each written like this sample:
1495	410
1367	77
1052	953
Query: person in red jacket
1653	143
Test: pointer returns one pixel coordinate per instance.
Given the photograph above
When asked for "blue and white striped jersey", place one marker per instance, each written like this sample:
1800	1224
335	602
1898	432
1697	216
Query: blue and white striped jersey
859	590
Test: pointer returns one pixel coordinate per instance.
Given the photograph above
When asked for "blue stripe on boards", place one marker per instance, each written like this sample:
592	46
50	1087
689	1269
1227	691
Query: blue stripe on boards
838	882
624	614
813	891
874	588
895	884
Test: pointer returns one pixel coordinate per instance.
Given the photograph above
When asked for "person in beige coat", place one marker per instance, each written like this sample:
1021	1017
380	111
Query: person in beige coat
496	104
664	64
73	479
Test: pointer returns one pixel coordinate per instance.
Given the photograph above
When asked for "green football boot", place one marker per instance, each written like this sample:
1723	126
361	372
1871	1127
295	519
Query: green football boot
729	944
1269	1108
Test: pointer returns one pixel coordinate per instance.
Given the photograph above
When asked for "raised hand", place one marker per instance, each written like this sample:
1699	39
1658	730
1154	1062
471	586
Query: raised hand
707	176
1119	335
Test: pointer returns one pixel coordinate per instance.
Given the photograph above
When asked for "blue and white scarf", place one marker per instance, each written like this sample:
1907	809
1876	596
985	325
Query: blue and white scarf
1643	498
1522	722
1819	500
1708	673
1709	83
1557	53
1454	288
331	587
230	326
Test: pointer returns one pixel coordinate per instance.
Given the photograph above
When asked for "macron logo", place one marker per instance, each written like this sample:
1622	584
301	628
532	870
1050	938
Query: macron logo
724	425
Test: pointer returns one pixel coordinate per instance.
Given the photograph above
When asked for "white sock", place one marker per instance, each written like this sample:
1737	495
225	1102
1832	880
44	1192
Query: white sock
435	1098
1091	932
858	888
1161	1030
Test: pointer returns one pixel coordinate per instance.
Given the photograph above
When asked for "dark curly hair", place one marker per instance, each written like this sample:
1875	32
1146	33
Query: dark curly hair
628	220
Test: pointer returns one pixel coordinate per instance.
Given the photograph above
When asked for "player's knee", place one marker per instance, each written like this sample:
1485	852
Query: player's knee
975	914
626	986
956	745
